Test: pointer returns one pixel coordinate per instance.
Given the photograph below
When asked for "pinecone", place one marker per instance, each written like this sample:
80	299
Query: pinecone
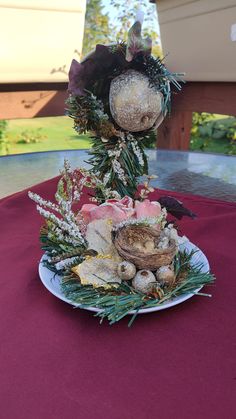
106	129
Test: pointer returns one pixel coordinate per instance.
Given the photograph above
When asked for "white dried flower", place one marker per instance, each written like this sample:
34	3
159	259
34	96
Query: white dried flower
106	178
115	195
114	153
130	137
163	243
137	152
69	226
149	221
42	202
119	171
66	263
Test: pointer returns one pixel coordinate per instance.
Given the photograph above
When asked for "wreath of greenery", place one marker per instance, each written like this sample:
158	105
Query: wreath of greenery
116	304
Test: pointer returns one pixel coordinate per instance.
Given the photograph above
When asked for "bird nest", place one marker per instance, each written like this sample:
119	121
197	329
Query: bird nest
139	245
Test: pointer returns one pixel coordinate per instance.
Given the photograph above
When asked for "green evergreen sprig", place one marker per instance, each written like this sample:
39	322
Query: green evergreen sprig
160	78
131	157
117	304
86	111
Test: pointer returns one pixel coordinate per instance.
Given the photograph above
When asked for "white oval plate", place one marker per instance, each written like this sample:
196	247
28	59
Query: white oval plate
52	282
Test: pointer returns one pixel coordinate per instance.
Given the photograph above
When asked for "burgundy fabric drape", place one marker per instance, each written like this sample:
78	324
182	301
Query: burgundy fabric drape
59	362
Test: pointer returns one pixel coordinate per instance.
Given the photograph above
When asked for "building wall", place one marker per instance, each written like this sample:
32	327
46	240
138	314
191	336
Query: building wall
196	35
38	37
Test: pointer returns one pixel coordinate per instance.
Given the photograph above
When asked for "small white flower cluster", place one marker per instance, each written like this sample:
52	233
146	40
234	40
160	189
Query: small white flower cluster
137	152
101	184
77	195
78	186
36	198
114	153
64	205
114	194
143	220
119	171
67	226
169	233
66	263
93	199
66	229
130	137
64	238
122	136
136	148
121	145
106	178
67	167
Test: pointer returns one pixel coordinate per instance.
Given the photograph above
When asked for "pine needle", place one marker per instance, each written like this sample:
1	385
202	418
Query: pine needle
116	304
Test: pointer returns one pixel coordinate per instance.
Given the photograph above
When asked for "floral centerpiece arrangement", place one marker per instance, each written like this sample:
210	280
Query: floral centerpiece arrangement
111	246
118	255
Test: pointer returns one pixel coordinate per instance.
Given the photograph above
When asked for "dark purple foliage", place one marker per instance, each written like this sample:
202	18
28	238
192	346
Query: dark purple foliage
102	61
75	73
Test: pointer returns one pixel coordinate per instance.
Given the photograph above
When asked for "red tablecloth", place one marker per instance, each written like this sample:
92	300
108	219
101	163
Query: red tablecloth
59	362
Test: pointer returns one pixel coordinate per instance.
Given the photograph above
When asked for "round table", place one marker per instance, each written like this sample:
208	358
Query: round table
211	175
59	362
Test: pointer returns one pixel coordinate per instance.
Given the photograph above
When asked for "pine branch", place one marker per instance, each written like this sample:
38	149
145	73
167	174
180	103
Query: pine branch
120	164
117	304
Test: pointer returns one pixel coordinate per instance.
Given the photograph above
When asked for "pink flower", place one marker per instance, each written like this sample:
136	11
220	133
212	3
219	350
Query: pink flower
117	210
120	210
147	209
125	203
85	212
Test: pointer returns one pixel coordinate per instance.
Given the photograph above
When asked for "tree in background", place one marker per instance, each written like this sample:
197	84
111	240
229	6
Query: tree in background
4	143
100	30
97	29
125	14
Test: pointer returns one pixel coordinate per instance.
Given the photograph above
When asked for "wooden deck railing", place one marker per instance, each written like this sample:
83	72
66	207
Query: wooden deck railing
212	97
30	100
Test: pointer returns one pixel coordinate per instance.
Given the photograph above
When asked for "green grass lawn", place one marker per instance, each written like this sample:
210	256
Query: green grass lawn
57	133
54	133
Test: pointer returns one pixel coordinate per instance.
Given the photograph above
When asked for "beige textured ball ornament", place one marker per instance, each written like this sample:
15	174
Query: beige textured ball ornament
134	105
126	270
144	281
165	275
